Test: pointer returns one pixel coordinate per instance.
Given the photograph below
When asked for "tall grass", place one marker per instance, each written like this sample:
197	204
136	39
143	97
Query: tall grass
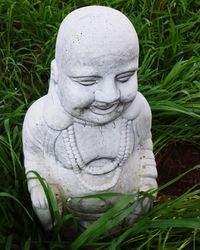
168	77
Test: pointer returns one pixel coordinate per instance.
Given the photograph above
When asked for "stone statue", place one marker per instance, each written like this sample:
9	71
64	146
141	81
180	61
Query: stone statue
91	132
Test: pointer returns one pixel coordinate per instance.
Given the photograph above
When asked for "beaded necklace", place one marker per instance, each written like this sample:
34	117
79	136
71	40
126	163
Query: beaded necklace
80	167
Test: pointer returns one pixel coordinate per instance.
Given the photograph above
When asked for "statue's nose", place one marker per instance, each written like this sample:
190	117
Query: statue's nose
107	93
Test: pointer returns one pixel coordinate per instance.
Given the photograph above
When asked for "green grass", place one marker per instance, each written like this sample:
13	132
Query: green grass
168	77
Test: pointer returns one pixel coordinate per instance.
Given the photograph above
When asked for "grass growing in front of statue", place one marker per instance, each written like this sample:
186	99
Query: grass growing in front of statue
172	224
168	77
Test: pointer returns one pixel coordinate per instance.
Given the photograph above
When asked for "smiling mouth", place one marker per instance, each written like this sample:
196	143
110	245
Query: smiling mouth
104	109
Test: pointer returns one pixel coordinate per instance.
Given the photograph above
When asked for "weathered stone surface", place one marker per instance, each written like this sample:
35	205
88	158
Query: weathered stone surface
92	132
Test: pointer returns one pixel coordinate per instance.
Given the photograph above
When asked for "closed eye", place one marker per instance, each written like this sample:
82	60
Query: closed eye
86	80
124	77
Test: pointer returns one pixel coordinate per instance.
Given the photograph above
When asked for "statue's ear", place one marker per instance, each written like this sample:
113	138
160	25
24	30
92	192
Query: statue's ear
54	71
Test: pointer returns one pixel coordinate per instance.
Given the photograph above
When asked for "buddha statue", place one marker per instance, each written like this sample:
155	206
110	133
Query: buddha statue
91	133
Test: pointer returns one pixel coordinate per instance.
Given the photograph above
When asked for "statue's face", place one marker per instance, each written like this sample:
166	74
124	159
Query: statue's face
98	87
97	57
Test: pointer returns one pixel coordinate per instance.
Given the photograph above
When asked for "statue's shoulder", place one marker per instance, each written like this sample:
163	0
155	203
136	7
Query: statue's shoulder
144	108
139	109
34	119
140	113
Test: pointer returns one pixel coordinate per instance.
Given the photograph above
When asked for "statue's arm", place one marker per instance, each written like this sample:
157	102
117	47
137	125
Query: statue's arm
33	140
148	171
35	131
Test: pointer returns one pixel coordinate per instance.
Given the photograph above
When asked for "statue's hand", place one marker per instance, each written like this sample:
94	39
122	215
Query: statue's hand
38	197
41	206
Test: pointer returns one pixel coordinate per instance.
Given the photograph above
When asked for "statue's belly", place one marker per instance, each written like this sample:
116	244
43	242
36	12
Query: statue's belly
110	164
91	209
76	184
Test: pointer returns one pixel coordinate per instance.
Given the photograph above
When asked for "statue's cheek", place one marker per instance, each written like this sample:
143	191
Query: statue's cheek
83	99
128	93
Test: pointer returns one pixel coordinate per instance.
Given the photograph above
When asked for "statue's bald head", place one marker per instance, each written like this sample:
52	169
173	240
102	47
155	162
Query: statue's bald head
95	31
